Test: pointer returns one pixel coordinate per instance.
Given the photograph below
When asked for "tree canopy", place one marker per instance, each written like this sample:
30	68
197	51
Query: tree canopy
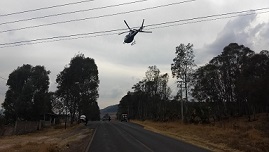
27	94
234	83
182	66
78	87
148	101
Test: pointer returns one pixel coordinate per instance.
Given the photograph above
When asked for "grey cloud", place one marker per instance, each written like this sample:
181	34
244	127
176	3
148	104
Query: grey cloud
238	30
265	31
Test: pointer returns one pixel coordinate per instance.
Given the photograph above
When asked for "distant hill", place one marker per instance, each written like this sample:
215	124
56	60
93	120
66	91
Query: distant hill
111	110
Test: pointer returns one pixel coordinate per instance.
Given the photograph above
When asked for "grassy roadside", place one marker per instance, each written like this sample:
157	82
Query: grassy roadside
53	139
235	134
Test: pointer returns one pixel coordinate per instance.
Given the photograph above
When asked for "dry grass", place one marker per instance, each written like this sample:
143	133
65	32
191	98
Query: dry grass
47	140
231	135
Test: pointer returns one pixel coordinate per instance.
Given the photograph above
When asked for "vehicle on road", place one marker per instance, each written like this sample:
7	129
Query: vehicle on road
106	117
124	117
83	119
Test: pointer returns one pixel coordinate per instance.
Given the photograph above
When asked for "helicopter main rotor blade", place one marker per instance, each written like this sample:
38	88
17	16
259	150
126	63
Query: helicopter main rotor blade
124	32
127	25
142	26
146	31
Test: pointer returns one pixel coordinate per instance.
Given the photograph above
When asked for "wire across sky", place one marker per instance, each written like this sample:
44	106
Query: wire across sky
44	8
72	12
113	31
96	17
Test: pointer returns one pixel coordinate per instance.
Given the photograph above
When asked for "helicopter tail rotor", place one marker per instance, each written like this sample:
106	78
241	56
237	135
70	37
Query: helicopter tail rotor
142	27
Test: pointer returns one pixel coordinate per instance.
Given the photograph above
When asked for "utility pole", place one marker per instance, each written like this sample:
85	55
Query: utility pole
65	115
79	98
181	98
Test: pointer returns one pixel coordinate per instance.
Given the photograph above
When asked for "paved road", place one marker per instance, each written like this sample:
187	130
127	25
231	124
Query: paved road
117	136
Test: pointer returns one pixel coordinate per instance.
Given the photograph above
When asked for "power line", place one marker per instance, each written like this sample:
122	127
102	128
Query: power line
72	12
210	16
102	33
95	17
113	32
62	37
43	8
205	20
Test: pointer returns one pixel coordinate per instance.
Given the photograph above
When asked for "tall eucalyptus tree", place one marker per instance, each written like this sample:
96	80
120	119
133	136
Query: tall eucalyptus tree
78	87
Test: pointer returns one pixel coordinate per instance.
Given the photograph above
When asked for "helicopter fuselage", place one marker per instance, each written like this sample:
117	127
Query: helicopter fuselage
130	37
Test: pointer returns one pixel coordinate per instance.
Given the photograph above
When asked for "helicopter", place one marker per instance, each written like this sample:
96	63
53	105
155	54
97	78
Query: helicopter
129	38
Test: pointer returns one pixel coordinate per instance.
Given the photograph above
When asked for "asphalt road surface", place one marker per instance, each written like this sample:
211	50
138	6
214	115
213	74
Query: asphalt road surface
117	136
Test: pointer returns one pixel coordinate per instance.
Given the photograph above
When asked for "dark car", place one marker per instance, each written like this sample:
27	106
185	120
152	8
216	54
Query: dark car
124	117
106	117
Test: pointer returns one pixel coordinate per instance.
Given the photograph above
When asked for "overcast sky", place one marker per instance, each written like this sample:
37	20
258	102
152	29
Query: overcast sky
122	65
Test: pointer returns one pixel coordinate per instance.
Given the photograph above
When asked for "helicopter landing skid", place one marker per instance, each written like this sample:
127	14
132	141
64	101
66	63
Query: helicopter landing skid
133	43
